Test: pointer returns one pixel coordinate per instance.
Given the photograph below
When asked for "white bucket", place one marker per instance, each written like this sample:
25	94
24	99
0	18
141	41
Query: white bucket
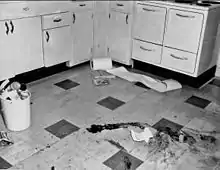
17	114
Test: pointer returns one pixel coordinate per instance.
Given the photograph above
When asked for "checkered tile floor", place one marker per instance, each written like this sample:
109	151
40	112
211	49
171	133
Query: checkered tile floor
61	113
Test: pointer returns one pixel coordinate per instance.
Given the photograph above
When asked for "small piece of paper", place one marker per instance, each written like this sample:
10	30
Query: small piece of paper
143	136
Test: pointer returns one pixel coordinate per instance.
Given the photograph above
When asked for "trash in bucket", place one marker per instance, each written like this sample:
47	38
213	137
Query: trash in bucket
15	101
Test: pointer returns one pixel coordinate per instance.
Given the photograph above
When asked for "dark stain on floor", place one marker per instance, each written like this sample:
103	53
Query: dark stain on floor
116	144
98	128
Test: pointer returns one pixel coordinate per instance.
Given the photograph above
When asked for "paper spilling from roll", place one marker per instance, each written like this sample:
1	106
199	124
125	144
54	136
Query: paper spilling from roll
155	84
101	63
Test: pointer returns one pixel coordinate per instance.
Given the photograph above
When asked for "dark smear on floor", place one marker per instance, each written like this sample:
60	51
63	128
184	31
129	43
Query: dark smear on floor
116	144
127	163
98	128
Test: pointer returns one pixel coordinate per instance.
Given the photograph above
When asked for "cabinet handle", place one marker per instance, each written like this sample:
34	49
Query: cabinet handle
74	18
179	58
185	16
12	27
82	4
119	4
48	36
57	20
145	49
7	28
127	19
26	9
149	10
109	15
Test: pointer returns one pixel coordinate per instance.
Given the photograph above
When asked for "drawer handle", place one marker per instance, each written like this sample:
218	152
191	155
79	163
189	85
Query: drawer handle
145	49
26	9
185	16
120	4
179	58
149	10
82	4
57	20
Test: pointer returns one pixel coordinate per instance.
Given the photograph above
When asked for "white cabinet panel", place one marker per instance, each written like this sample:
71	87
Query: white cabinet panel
183	30
146	52
179	60
119	37
20	46
6	53
101	27
27	44
82	31
149	23
57	45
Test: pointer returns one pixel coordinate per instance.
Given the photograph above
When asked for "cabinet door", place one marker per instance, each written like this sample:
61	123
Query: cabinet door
57	46
27	44
183	30
101	27
82	31
149	23
6	53
119	40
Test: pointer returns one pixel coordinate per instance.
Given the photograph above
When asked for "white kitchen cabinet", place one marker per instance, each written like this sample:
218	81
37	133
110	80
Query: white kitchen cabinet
183	30
6	57
22	44
82	40
149	23
57	45
27	44
119	37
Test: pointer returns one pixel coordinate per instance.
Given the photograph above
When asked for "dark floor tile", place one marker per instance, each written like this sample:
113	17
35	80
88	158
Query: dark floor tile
62	129
123	161
110	103
67	84
163	124
139	84
198	102
216	82
4	164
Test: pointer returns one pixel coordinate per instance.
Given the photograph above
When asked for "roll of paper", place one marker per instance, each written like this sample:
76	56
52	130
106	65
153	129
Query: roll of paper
101	63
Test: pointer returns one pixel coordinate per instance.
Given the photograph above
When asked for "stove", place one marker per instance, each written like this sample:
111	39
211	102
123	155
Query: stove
193	4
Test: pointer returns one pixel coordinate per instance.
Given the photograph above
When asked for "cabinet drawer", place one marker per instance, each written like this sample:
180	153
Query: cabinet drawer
56	20
122	6
149	23
179	60
183	30
84	5
146	52
16	10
